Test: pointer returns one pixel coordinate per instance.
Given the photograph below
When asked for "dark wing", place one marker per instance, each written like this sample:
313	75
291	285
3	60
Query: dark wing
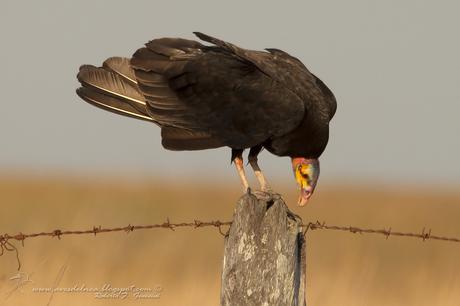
216	91
328	98
287	70
114	87
112	91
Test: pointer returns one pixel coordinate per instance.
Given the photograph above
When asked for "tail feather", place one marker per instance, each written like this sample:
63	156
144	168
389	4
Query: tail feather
110	103
110	83
140	88
120	65
110	88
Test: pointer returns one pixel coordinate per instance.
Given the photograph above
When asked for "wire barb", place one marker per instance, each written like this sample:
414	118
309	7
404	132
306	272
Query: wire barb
7	245
387	233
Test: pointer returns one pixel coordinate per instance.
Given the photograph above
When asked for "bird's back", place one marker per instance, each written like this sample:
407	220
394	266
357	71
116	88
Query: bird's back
209	96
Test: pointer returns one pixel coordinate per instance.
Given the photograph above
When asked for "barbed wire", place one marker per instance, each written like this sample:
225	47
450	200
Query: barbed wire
424	235
6	245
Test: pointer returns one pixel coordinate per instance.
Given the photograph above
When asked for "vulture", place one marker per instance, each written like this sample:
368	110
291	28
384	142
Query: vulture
217	94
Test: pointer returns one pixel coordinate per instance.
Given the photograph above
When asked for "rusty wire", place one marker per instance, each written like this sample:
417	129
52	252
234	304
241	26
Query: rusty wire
424	235
6	245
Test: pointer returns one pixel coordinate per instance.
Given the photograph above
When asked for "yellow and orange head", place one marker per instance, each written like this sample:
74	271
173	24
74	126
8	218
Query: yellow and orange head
306	172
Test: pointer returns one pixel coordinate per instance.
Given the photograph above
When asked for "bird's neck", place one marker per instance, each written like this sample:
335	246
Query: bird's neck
308	140
311	136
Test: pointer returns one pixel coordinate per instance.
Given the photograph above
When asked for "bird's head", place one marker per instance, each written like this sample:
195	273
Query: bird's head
306	172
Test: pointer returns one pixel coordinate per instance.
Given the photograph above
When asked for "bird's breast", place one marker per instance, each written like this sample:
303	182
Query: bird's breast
308	140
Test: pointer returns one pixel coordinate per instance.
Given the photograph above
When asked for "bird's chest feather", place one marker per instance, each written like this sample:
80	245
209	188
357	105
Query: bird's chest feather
308	140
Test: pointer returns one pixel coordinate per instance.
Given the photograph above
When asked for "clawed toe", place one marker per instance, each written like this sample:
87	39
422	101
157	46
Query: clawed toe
267	189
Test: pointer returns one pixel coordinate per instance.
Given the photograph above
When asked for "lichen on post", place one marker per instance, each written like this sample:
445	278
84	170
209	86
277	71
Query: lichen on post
264	257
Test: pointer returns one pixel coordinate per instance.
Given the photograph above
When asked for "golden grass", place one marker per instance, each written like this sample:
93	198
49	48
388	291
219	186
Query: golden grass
343	269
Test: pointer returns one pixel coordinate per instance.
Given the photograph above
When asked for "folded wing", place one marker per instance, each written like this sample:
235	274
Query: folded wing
213	90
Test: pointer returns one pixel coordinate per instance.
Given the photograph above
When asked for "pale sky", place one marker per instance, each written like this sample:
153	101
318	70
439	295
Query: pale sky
394	67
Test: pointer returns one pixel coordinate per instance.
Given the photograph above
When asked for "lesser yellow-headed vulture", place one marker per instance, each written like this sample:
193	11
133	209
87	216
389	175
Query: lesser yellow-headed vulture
210	96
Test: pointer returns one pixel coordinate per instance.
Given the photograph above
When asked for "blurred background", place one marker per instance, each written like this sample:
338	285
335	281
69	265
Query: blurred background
391	158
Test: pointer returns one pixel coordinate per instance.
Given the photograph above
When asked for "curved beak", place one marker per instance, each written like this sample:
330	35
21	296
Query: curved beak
305	195
306	173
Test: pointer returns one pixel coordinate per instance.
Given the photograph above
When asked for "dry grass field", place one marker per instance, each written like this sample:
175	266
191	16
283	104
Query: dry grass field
343	269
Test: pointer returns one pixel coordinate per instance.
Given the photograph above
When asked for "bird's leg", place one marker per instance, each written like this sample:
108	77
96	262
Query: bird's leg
237	158
264	186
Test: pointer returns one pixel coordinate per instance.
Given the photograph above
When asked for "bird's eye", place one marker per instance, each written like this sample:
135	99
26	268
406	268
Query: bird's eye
303	171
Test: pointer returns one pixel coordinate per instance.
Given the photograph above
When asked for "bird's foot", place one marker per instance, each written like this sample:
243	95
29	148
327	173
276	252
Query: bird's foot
267	189
267	194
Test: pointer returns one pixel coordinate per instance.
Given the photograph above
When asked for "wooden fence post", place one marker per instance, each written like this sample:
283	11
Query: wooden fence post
264	258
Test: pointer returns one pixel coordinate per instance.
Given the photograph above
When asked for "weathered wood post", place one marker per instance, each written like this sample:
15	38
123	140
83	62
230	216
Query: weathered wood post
264	259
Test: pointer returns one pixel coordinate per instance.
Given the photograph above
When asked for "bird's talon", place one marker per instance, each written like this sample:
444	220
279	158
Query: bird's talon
267	189
285	130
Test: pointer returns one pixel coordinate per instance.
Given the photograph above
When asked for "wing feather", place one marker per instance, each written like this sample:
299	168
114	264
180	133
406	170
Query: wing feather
110	83
179	139
112	91
121	66
193	87
110	103
207	96
288	71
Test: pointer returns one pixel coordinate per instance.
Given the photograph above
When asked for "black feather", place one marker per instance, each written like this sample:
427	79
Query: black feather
180	139
121	66
119	92
110	103
220	95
